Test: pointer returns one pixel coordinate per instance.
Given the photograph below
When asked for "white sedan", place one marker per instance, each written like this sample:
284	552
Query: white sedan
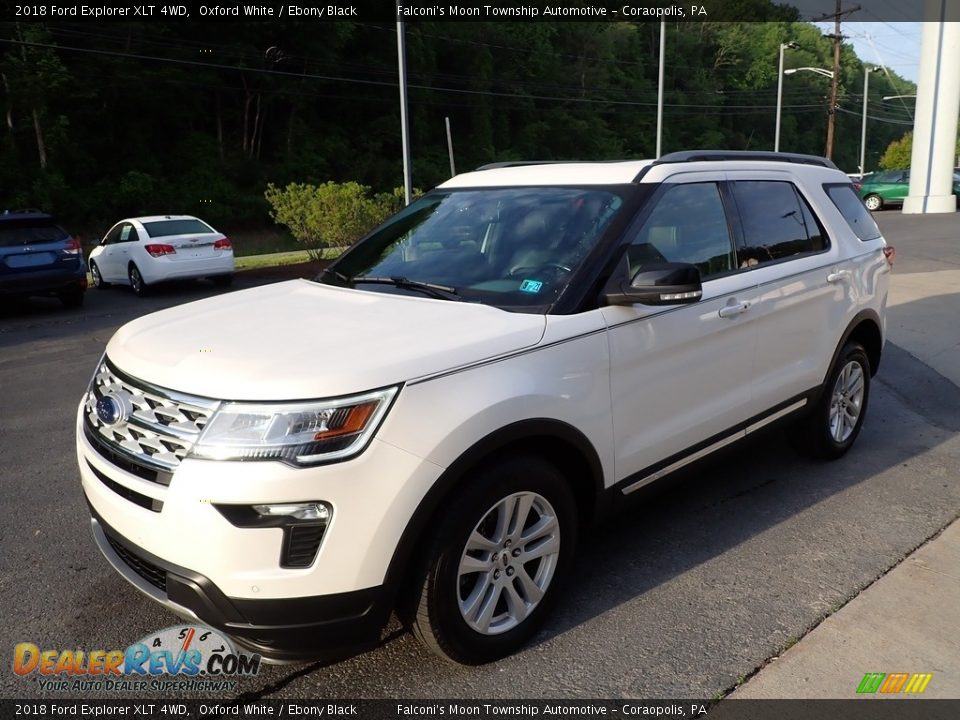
142	251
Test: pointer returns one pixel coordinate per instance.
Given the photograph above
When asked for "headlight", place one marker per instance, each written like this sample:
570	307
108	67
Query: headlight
297	433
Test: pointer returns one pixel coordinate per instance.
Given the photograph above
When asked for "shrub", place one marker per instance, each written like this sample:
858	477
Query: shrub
327	215
332	214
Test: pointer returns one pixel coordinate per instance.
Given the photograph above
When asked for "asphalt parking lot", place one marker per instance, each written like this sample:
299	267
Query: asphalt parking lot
682	596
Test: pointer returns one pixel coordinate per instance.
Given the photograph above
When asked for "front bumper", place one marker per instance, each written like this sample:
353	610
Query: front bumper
326	627
165	534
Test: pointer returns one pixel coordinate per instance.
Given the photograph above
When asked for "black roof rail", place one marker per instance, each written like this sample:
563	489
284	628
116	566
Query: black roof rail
765	155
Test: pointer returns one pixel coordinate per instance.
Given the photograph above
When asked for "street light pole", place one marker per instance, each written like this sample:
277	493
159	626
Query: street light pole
792	71
776	135
818	71
863	129
404	115
663	55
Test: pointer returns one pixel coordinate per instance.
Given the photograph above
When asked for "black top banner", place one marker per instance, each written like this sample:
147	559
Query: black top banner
463	11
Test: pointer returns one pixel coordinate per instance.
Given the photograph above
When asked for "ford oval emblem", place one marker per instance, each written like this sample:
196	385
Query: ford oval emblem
111	410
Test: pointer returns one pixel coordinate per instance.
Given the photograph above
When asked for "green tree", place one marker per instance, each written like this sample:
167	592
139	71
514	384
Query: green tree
899	153
31	76
327	215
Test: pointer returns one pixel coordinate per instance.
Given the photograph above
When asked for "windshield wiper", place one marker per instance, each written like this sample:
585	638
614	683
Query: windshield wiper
330	271
443	292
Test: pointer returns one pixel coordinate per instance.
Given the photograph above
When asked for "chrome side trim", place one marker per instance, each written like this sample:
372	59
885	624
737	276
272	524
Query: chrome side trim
723	442
776	416
740	434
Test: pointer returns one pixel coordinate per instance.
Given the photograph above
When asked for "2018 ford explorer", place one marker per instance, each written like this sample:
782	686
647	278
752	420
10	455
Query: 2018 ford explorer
426	427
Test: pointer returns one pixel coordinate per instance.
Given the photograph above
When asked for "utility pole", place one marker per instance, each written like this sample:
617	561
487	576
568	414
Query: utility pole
837	36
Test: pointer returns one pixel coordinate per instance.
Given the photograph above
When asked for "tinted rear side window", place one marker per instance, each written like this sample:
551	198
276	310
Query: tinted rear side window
776	221
853	210
162	228
30	232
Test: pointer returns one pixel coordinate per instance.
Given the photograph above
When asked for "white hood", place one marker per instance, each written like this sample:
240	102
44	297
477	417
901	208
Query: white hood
299	340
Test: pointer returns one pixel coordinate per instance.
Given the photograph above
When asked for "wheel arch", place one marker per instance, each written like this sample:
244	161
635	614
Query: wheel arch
558	442
865	328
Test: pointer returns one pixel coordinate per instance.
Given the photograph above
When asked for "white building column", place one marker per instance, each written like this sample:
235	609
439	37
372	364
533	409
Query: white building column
938	105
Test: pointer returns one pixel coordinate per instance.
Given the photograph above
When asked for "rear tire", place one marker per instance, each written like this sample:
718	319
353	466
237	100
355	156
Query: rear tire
832	426
137	283
500	553
873	202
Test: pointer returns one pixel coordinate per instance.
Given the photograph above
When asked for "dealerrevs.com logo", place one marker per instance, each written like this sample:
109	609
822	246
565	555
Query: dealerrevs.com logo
182	657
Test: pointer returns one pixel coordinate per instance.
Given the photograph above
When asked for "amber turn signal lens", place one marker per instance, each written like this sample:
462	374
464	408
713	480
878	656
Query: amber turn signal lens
354	421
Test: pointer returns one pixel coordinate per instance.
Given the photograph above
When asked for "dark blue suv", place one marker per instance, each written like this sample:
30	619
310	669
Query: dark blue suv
38	257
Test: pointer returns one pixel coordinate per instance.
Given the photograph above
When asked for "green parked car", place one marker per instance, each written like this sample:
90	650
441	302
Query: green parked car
885	189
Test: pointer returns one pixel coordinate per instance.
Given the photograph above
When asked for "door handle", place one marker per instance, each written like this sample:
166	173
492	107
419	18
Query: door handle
839	276
728	311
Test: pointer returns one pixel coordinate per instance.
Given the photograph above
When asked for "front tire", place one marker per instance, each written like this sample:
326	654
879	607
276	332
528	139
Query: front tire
137	283
501	552
873	202
98	282
834	423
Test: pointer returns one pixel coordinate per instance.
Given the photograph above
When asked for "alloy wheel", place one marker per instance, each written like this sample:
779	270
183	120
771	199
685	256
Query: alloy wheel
508	563
846	401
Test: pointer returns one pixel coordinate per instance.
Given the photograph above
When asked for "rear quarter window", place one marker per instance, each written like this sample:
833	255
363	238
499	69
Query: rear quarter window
853	210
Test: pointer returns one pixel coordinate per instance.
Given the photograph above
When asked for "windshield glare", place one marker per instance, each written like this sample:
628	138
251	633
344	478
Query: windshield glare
505	247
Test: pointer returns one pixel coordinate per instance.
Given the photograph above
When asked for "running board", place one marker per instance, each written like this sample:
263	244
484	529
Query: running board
723	442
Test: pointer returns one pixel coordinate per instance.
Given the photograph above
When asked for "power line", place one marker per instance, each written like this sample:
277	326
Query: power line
434	88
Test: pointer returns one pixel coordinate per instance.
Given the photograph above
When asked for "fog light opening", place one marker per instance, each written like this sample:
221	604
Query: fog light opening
312	511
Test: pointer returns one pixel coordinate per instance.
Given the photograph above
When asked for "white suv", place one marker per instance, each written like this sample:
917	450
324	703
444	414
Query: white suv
425	428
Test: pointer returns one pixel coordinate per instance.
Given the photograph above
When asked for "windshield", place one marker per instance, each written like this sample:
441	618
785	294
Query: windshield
512	247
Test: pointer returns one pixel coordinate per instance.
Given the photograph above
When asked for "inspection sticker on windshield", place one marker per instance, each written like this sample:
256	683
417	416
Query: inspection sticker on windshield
531	286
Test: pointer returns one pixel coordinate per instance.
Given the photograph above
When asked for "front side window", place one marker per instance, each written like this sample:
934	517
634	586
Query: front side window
893	176
114	235
777	223
687	225
510	247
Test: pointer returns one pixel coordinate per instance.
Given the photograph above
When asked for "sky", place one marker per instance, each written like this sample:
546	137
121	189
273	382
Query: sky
893	45
882	32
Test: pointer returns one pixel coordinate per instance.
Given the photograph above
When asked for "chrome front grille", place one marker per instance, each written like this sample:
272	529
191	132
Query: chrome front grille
158	428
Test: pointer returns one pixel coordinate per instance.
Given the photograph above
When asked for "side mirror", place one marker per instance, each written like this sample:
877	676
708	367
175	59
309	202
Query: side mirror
661	284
